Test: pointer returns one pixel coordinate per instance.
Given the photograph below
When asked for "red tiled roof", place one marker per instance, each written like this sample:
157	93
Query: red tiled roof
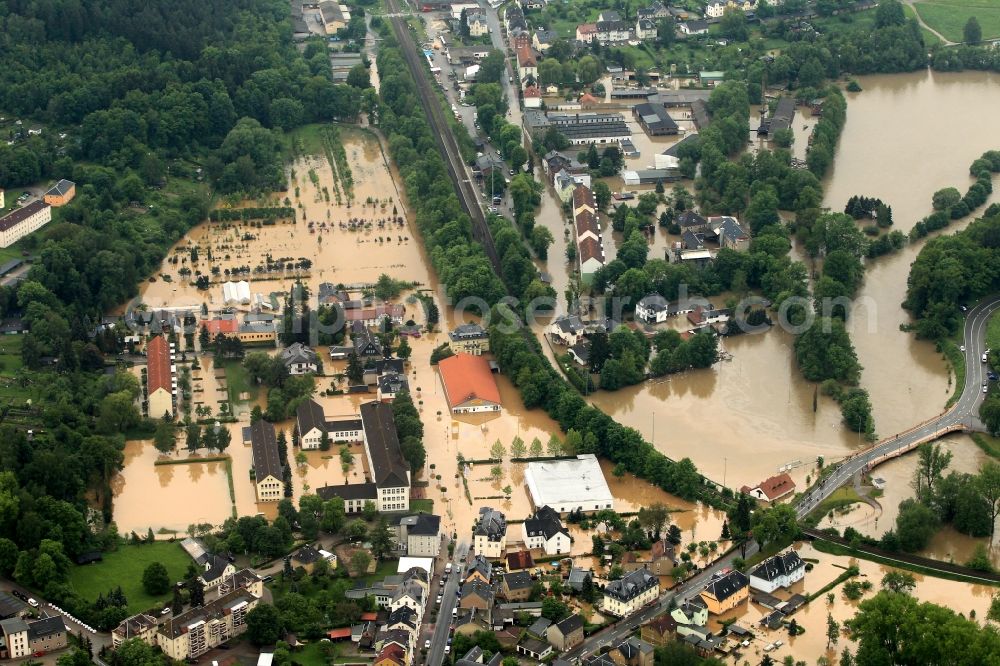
522	559
587	28
586	221
591	249
373	314
525	58
339	634
773	487
158	365
582	196
224	326
587	98
369	617
467	377
532	91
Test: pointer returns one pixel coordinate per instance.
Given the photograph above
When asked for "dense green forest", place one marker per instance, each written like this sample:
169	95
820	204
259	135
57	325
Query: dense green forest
161	103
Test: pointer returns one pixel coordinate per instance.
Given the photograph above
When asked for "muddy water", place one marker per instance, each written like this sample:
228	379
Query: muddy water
168	496
960	597
756	409
921	120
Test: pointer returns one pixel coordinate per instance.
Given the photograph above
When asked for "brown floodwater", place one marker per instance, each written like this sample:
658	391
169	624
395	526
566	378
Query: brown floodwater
351	257
756	409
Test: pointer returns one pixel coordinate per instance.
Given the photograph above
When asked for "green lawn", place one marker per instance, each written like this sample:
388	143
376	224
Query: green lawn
949	16
422	505
10	199
238	381
10	363
930	39
306	140
125	567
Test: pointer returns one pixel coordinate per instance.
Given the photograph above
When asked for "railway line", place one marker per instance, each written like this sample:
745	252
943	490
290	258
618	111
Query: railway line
443	136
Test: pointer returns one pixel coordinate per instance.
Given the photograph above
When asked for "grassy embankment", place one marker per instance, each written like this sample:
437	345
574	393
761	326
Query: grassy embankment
949	16
837	549
124	567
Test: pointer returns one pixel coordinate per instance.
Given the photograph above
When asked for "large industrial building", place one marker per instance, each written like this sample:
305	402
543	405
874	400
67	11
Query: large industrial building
569	485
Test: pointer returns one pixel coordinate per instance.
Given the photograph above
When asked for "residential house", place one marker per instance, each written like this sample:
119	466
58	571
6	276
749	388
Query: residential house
692	221
490	535
725	592
781	570
586	32
11	606
198	630
613	32
469	384
532	97
659	631
478	26
308	556
646	28
139	626
653	12
701	316
771	489
380	367
632	652
267	468
15	635
215	569
479	569
47	635
299	359
392	654
567	330
390	385
60	194
580	353
692	618
731	235
715	10
652	309
516	586
312	425
587	226
628	594
583	200
478	595
545	530
543	39
411	595
469	339
514	20
527	64
330	294
590	254
376	316
160	378
366	344
693	27
420	535
661	560
566	634
520	560
404	619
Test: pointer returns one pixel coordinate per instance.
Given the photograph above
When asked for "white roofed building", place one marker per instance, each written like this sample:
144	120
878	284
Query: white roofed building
569	485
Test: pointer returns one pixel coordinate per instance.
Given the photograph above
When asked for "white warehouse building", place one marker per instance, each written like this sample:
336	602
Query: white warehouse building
568	485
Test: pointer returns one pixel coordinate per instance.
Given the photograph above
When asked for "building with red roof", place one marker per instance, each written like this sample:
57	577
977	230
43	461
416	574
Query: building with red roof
771	489
225	325
469	384
159	378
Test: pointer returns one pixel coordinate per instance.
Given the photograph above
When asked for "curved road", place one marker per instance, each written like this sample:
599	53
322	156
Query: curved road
963	415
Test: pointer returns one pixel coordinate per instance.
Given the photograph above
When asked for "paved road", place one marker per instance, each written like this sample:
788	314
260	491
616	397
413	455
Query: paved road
510	83
686	590
441	630
963	415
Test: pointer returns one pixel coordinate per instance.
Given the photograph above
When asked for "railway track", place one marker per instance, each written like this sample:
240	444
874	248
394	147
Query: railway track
467	193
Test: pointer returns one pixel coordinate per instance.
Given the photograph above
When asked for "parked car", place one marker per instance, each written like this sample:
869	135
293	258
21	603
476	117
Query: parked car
32	603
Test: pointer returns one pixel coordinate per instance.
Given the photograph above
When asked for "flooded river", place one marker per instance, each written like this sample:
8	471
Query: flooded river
756	410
